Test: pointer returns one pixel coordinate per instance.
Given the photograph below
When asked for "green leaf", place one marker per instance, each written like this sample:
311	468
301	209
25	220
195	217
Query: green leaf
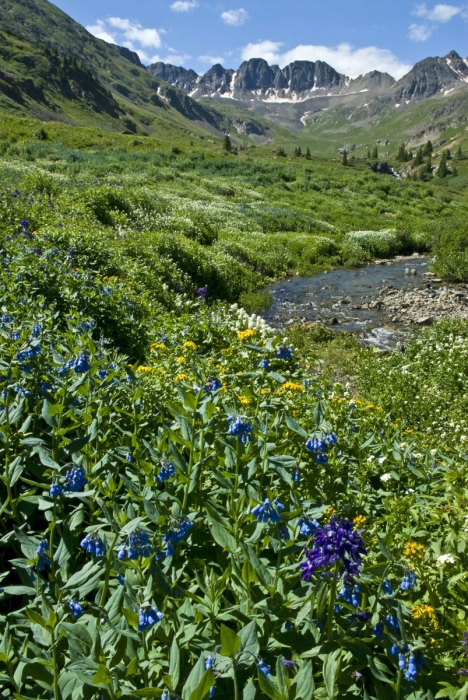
249	691
147	693
386	552
304	682
36	618
377	669
276	377
222	536
76	444
77	630
268	688
86	580
102	676
132	667
19	590
249	643
331	668
282	678
131	617
204	686
195	677
230	642
294	426
174	665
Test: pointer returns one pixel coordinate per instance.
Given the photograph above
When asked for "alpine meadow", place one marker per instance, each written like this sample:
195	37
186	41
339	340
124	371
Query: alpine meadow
194	502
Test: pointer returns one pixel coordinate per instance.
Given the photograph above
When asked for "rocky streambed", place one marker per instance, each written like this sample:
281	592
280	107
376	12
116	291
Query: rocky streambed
378	303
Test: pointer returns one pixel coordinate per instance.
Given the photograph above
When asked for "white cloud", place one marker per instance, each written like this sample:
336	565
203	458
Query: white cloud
235	18
212	60
345	58
134	31
99	30
439	13
184	5
419	32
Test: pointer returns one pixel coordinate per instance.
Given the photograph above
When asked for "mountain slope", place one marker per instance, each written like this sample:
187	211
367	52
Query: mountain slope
53	68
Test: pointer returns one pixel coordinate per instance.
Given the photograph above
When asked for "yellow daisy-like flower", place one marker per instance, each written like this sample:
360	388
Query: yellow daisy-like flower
220	368
144	368
180	360
189	345
359	522
157	346
181	377
426	614
226	351
245	335
291	386
244	400
328	513
414	550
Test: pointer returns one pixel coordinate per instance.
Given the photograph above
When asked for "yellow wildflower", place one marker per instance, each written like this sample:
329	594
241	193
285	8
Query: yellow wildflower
328	513
220	368
226	351
189	345
245	335
180	359
181	377
414	550
426	614
291	386
144	368
157	346
244	400
407	432
369	406
359	522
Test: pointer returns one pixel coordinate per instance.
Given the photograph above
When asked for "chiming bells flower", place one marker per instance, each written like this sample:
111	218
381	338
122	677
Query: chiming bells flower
268	512
176	534
76	609
55	490
148	619
240	428
412	670
264	363
166	472
263	668
43	560
76	479
93	545
308	527
137	546
284	353
336	542
386	587
212	384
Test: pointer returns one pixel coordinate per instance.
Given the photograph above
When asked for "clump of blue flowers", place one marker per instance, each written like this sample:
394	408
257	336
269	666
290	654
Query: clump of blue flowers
308	527
137	546
336	542
241	428
176	534
43	560
212	384
94	545
148	618
268	512
76	609
166	472
76	479
283	353
409	581
319	445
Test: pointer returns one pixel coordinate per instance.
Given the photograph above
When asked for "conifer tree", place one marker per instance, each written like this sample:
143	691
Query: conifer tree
344	159
227	145
427	150
419	159
442	170
375	153
299	152
307	155
454	171
459	152
368	154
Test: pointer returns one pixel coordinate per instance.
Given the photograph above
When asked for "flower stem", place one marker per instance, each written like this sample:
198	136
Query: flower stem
331	603
236	685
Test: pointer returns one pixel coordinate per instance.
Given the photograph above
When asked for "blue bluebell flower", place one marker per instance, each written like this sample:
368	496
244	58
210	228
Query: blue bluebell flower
55	490
401	662
81	364
264	363
176	534
120	579
394	650
308	527
268	512
36	330
94	545
283	353
240	428
212	691
212	384
43	560
379	630
412	670
7	319
405	585
386	587
316	445
166	472
202	293
209	662
24	224
66	367
128	458
147	619
103	373
393	622
76	609
321	458
76	479
263	668
332	438
137	546
296	477
15	335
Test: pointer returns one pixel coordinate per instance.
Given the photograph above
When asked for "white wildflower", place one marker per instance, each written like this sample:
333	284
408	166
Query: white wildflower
386	477
445	559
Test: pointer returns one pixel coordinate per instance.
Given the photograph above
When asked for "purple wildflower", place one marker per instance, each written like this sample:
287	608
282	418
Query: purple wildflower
337	541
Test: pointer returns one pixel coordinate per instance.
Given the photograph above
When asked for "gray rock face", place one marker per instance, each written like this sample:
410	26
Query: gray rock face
431	77
181	78
216	80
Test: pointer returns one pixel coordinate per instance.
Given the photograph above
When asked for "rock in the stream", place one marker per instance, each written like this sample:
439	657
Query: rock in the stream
425	321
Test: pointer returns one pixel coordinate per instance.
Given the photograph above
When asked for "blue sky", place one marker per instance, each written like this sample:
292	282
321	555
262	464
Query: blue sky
354	36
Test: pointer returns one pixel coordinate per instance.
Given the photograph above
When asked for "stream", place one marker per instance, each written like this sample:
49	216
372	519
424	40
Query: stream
336	298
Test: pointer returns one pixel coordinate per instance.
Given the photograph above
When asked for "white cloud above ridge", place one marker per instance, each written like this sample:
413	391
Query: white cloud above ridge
419	32
183	5
344	58
134	31
99	30
134	36
235	18
211	60
439	13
